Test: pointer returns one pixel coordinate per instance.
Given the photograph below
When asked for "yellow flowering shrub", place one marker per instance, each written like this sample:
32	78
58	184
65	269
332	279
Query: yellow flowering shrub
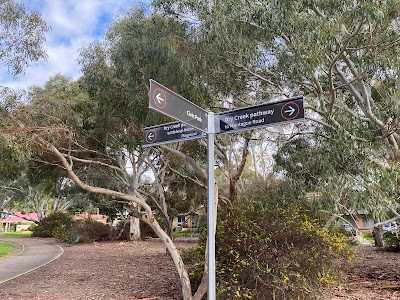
271	252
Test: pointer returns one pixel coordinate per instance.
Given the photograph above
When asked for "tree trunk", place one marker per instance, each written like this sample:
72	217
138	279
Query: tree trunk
134	229
134	224
148	218
176	257
378	236
233	193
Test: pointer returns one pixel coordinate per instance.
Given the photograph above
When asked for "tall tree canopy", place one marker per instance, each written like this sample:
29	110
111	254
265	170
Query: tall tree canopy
22	34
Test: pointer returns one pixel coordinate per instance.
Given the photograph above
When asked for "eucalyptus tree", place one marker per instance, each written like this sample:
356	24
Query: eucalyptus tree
343	56
93	131
22	34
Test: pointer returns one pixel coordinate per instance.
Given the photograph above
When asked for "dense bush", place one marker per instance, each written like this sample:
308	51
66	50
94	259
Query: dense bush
53	224
392	242
121	231
270	252
92	231
59	225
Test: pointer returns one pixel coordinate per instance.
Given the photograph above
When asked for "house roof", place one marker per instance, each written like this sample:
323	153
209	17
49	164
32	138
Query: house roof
15	217
85	215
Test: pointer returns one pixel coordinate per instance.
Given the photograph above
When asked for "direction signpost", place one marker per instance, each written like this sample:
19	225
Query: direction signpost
197	123
168	133
252	117
171	104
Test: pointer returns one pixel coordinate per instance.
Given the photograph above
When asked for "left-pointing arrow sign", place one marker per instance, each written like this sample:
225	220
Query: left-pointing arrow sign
171	104
160	99
150	136
169	133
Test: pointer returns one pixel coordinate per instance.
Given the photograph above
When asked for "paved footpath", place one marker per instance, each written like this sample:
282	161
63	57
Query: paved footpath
35	254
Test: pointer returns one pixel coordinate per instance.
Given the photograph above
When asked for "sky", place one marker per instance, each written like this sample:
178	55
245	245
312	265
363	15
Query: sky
74	24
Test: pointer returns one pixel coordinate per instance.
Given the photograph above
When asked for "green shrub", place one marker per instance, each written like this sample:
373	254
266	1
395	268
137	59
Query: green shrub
54	221
63	234
392	242
270	252
92	231
145	231
32	227
60	225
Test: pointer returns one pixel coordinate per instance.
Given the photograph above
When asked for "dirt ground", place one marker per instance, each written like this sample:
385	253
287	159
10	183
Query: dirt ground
373	275
121	270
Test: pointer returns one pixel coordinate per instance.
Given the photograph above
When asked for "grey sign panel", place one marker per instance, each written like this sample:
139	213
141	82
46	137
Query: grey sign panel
169	133
171	104
280	112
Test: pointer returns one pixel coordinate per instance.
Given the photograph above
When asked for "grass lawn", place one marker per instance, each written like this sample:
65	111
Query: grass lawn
183	234
369	237
5	248
17	233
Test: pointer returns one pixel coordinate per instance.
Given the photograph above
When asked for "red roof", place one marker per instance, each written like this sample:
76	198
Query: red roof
15	217
85	215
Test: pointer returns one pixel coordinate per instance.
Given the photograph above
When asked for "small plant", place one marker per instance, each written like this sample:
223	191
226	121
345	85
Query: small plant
32	227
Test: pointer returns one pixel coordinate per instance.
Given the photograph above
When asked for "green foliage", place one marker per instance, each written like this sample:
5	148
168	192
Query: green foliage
271	252
32	227
392	242
54	224
63	234
61	226
22	34
91	231
14	155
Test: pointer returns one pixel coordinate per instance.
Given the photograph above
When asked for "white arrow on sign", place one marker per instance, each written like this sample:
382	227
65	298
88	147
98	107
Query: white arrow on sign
291	110
150	136
159	98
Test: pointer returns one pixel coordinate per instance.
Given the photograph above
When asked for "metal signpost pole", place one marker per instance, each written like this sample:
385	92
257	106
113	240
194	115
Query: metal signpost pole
211	208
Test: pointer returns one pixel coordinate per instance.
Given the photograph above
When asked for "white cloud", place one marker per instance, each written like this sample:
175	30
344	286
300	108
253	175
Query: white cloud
74	25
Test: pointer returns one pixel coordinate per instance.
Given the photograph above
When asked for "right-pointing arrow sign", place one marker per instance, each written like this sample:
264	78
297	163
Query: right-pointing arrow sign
284	111
291	110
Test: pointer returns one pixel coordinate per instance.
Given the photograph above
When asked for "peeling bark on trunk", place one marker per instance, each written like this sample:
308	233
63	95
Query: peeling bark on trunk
378	236
134	229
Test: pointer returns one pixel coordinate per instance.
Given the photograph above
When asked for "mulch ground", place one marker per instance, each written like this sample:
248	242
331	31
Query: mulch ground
142	270
118	270
374	274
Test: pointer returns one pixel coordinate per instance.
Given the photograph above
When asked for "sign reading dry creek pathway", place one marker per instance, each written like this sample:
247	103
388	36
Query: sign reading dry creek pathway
168	133
171	104
261	115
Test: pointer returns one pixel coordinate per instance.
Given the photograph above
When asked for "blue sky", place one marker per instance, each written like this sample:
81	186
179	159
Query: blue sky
74	24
